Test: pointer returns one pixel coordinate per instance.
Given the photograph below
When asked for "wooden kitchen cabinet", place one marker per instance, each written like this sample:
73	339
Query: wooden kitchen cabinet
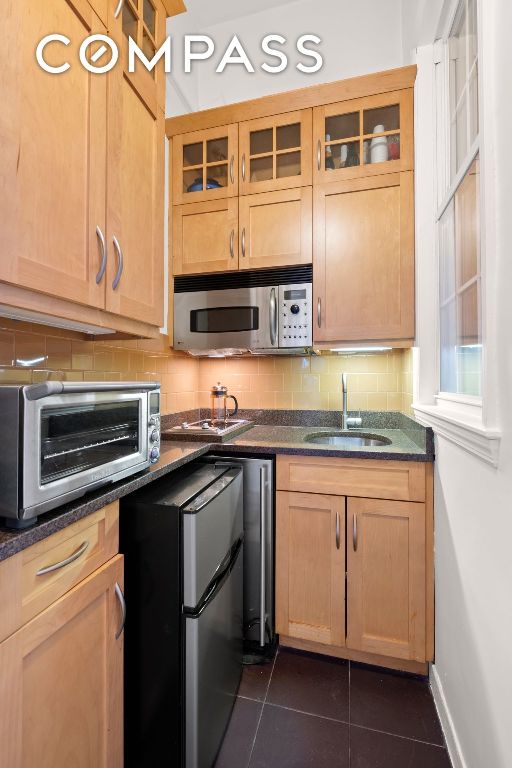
386	577
53	137
275	152
275	228
83	198
202	159
310	567
363	262
205	237
343	134
61	687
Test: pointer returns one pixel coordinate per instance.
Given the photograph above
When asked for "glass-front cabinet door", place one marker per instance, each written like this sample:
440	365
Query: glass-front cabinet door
363	137
275	152
205	165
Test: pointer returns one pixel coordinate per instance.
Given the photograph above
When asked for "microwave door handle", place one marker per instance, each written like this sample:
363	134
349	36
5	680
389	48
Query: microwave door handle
273	317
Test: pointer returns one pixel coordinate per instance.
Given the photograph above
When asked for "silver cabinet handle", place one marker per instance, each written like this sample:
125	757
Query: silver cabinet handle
337	530
273	316
122	603
354	531
232	244
319	312
243	242
120	263
103	250
232	169
62	564
119	8
263	537
319	154
243	166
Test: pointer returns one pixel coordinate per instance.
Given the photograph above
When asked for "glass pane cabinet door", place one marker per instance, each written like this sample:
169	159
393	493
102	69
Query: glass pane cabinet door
363	137
275	152
205	165
144	22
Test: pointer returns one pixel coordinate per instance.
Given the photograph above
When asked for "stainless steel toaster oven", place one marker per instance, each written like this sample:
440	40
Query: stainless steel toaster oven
62	439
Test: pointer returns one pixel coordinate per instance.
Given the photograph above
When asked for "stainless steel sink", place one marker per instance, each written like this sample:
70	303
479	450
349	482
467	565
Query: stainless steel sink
347	439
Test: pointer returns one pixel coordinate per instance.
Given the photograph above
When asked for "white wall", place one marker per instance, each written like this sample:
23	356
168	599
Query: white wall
357	39
473	500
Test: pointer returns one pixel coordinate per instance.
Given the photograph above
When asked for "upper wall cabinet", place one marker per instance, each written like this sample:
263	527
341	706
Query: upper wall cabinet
363	263
205	165
363	137
275	152
135	173
53	138
144	21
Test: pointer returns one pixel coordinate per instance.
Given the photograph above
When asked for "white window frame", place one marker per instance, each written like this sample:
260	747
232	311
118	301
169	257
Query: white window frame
470	422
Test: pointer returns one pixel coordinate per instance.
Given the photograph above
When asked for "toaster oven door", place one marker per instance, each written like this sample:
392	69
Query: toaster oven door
240	318
77	441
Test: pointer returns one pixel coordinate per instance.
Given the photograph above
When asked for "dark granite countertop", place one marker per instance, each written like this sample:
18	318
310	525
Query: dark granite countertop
173	456
290	440
410	442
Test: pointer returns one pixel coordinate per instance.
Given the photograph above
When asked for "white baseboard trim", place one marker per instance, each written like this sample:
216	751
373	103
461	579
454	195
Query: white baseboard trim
450	735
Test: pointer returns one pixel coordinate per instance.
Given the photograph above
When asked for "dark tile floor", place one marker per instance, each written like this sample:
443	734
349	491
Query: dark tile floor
306	711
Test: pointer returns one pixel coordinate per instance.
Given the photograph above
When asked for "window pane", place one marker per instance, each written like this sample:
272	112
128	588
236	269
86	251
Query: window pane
460	288
463	86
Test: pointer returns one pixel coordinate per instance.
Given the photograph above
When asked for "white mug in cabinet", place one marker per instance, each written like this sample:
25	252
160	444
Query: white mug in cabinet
379	146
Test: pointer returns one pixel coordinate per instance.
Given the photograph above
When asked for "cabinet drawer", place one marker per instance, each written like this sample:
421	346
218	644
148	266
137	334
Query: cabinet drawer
377	479
35	578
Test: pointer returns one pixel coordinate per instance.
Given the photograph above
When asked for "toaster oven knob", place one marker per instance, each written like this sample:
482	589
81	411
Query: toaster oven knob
154	436
155	454
154	421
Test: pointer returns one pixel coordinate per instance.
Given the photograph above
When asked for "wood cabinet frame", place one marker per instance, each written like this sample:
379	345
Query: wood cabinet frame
304	117
179	196
404	100
225	233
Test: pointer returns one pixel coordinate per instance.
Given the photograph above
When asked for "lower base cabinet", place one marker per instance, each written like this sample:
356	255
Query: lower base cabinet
370	600
61	680
310	567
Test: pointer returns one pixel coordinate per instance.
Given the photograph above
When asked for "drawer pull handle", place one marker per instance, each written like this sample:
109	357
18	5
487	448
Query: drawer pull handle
122	602
243	167
232	169
319	312
243	242
118	9
337	530
319	154
354	532
71	559
232	244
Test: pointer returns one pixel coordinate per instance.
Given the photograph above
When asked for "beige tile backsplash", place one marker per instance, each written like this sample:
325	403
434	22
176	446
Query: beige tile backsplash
376	381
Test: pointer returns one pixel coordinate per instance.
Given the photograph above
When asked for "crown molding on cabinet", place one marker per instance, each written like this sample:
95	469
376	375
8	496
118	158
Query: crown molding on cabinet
303	98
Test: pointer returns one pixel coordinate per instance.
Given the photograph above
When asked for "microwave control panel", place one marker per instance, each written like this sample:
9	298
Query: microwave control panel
295	315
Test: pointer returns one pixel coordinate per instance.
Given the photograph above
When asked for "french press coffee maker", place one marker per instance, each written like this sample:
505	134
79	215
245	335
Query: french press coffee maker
219	403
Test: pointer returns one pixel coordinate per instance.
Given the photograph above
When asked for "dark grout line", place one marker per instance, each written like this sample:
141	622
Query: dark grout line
262	707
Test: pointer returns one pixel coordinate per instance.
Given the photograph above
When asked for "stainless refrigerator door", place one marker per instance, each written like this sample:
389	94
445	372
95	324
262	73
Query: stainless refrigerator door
213	666
258	495
210	526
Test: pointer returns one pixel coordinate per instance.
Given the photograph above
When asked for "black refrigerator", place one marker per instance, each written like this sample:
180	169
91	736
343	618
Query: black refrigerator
182	540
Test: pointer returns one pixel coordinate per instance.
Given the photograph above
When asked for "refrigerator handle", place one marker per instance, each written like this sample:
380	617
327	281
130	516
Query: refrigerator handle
263	538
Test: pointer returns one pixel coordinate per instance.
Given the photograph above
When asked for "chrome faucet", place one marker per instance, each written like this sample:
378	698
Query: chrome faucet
347	422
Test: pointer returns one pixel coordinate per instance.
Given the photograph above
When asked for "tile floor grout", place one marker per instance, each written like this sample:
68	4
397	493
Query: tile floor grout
262	707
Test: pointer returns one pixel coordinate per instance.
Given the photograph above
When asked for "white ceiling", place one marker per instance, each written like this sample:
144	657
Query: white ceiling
204	13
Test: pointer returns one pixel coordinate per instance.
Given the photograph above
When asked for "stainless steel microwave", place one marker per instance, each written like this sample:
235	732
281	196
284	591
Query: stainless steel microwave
62	439
262	311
